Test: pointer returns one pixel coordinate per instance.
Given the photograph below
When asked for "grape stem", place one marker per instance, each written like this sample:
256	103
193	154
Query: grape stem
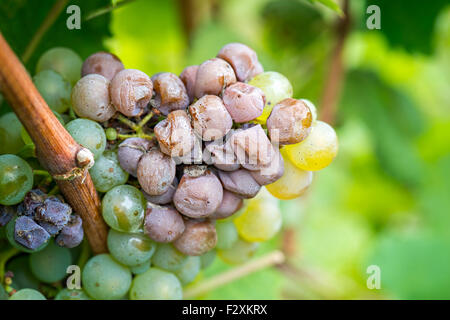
273	258
107	9
138	128
4	257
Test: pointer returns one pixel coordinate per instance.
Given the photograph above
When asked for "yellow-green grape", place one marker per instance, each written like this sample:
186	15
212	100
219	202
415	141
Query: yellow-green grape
10	140
275	86
317	151
226	234
261	220
64	61
240	252
16	179
293	183
54	89
27	294
156	284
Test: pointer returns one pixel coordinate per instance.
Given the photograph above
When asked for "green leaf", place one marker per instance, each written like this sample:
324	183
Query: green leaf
330	4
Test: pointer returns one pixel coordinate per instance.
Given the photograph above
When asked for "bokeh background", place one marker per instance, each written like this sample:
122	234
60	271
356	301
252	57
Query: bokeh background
385	200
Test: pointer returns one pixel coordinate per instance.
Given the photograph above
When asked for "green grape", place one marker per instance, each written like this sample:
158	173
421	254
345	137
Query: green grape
27	294
167	257
10	139
226	234
74	294
275	86
240	252
141	268
107	173
123	208
156	284
50	264
10	236
105	279
130	249
54	89
89	134
261	220
207	259
64	61
190	270
23	278
111	134
317	151
16	179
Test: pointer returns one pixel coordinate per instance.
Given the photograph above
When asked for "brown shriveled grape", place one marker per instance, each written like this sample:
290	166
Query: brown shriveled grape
210	118
240	182
163	224
188	77
199	192
103	63
230	204
131	91
170	93
289	122
271	173
130	152
155	172
213	76
164	198
198	238
221	155
243	60
243	101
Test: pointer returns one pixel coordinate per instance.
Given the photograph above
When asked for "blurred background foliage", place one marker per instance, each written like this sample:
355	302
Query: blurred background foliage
386	199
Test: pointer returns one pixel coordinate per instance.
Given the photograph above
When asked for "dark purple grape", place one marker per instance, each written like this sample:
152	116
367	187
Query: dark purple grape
198	238
166	197
103	63
210	118
271	173
188	77
33	199
131	91
230	204
213	76
130	152
163	224
243	101
240	182
170	93
29	234
72	233
53	215
6	214
243	60
155	172
289	122
221	155
199	193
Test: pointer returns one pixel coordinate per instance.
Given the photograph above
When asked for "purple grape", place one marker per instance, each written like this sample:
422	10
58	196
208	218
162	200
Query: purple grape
198	238
170	93
33	199
188	77
271	173
155	172
72	234
53	215
243	60
195	156
130	152
163	224
221	155
213	76
230	204
244	102
6	214
29	234
103	63
166	197
240	182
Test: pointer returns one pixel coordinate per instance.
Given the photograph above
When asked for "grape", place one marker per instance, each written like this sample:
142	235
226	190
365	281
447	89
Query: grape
317	151
72	294
50	264
32	200
130	249
72	233
163	224
170	93
23	278
199	193
240	252
198	238
243	60
227	234
27	294
230	204
243	101
16	179
213	76
275	86
107	173
130	152
103	63
260	220
188	77
155	172
155	284
221	155
131	91
123	208
207	259
167	257
89	134
210	118
195	156
26	235
166	197
272	173
6	214
292	184
105	279
175	135
90	98
311	107
141	268
54	89
10	134
53	215
240	182
64	61
190	270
